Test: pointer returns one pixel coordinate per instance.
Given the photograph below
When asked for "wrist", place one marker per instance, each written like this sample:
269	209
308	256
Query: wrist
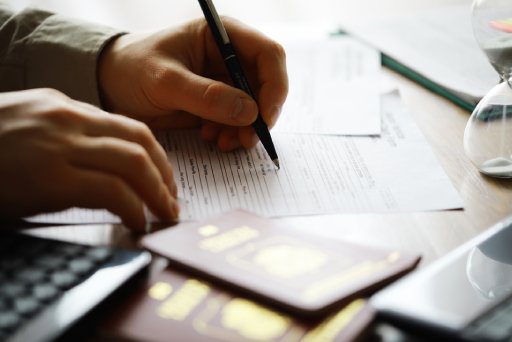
106	71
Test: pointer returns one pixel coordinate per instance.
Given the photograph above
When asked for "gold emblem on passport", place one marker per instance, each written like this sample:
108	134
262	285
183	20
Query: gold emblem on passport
283	258
241	315
228	239
208	230
184	300
160	290
235	319
287	261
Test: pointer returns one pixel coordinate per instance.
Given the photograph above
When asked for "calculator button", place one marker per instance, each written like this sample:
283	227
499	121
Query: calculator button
99	254
31	275
64	279
12	289
9	320
45	292
81	266
26	306
50	261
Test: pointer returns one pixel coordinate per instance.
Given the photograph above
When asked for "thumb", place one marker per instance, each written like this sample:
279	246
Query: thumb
212	100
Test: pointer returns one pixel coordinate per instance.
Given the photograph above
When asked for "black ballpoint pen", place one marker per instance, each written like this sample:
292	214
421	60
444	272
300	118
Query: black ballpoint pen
235	70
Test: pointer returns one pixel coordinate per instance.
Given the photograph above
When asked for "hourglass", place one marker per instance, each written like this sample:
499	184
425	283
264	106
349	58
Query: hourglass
488	134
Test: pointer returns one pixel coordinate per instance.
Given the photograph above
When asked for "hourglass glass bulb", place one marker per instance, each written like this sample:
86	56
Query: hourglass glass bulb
488	134
492	27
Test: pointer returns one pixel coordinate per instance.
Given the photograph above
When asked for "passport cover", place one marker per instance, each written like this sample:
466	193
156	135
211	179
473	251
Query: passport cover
176	307
299	272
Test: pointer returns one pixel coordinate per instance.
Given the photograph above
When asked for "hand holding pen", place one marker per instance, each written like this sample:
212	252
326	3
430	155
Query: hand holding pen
176	78
237	74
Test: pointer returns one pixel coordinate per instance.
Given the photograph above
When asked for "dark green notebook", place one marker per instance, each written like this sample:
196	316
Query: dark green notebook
404	70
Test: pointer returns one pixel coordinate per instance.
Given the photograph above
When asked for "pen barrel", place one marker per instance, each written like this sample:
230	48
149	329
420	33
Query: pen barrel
235	70
214	23
240	81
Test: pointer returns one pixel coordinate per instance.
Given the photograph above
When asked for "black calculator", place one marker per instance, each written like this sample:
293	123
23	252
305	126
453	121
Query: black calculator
47	286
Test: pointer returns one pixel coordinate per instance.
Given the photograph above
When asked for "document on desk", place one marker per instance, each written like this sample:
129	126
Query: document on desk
438	44
334	88
319	174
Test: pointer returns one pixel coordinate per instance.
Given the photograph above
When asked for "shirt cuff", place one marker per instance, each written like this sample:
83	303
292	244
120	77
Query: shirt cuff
63	53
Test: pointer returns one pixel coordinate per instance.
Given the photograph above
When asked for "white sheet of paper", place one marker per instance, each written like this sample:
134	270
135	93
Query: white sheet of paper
319	175
333	88
438	44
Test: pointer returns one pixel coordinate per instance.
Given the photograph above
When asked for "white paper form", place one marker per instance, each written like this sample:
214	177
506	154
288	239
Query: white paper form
333	88
319	174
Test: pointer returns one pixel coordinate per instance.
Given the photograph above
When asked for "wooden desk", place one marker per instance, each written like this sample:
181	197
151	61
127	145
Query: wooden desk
433	234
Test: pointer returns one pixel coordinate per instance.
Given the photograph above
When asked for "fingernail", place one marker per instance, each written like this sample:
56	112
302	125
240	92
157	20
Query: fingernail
233	144
169	182
168	212
173	188
175	209
255	140
244	111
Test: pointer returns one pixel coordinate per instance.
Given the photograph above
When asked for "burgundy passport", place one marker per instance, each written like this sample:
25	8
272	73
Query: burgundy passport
175	307
292	270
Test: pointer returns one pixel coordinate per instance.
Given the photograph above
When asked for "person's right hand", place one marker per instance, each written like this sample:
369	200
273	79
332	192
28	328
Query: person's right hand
57	153
176	78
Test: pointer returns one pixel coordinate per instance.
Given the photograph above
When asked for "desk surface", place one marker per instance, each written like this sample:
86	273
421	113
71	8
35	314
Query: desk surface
433	234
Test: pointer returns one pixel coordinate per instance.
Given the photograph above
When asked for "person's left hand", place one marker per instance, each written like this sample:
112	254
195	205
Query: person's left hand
177	79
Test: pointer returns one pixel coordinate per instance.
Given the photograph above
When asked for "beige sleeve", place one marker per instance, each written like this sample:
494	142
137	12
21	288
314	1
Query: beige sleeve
42	49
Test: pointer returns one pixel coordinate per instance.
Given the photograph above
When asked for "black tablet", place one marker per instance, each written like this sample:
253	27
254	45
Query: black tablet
465	295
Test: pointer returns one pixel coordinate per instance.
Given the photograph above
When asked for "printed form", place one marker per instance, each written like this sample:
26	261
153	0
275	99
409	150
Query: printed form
334	88
319	174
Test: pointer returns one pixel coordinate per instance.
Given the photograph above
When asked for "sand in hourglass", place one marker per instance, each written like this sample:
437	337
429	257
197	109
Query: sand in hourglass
499	53
497	167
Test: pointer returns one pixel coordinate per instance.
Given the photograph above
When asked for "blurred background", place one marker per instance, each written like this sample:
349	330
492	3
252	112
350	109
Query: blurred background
303	15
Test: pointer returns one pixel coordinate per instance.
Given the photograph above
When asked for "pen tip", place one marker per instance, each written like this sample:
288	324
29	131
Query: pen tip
276	163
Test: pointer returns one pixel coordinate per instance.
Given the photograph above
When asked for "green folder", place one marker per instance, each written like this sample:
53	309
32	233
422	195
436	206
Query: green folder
393	64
